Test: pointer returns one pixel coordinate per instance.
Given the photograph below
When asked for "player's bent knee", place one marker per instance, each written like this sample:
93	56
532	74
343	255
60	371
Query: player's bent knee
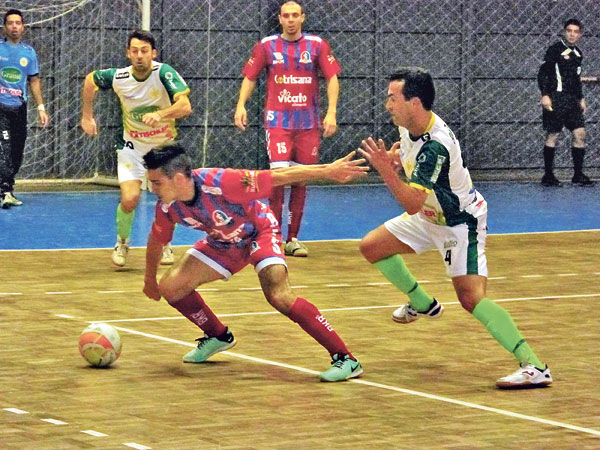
128	204
469	300
171	292
369	249
281	301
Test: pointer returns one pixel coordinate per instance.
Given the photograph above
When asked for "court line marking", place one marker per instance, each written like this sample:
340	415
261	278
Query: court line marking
16	411
94	433
349	308
382	386
54	421
90	432
136	446
316	286
312	241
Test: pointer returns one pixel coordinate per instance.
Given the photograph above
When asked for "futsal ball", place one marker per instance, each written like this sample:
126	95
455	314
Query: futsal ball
100	344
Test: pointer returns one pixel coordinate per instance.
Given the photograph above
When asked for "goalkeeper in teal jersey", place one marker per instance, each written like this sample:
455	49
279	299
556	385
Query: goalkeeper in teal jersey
152	96
443	212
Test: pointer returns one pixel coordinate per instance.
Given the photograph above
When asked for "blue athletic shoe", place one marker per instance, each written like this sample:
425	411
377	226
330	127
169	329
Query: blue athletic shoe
342	368
208	346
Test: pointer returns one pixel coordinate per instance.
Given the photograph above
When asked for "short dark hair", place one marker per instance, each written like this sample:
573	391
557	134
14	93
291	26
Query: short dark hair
575	22
142	35
170	160
417	83
11	12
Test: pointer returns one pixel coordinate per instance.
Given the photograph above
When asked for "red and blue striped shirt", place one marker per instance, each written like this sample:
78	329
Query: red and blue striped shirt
292	93
226	206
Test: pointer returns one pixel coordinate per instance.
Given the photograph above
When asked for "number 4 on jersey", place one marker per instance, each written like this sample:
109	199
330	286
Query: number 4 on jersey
448	257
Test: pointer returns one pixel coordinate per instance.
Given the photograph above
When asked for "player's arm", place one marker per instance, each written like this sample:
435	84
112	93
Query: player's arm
35	85
411	198
88	123
333	92
546	77
179	109
154	249
241	116
342	170
160	234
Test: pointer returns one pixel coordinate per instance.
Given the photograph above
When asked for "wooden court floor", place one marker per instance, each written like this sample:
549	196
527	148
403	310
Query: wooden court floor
429	384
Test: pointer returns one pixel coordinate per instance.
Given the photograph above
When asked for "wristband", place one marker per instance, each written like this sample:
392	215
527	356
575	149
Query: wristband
41	107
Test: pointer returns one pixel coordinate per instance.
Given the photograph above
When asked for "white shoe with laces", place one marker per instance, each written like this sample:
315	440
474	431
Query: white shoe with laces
119	255
167	257
407	314
528	376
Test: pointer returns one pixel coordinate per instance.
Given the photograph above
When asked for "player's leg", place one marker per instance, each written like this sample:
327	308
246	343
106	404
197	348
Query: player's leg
384	246
305	151
18	136
552	124
275	284
269	263
578	154
198	266
466	264
130	194
5	158
470	290
131	172
279	145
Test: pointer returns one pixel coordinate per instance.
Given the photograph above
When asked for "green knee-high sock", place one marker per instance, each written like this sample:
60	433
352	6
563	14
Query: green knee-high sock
394	269
124	222
502	327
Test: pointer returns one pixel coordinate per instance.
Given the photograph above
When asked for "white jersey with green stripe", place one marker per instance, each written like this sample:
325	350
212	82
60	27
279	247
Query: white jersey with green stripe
139	97
433	162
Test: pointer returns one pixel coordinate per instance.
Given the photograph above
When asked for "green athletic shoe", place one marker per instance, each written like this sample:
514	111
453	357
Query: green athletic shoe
342	368
208	346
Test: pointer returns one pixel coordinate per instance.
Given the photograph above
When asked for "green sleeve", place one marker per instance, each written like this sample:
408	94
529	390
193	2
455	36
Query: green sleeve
172	81
104	78
431	159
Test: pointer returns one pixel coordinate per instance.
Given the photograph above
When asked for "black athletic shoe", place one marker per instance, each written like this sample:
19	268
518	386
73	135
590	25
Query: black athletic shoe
550	180
582	180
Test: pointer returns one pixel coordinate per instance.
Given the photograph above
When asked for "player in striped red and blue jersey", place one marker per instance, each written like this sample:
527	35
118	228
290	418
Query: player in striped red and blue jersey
292	115
241	230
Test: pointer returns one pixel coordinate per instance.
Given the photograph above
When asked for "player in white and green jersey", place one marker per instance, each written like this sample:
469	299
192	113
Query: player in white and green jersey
152	95
443	212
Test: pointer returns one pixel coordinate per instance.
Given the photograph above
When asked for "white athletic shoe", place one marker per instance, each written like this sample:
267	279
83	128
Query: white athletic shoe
295	248
167	257
11	200
528	376
119	254
407	314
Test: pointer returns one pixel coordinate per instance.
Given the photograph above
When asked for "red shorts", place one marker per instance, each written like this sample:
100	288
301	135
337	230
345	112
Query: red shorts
263	251
287	146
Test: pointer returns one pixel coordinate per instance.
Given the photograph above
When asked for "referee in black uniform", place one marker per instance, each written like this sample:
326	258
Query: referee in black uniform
562	101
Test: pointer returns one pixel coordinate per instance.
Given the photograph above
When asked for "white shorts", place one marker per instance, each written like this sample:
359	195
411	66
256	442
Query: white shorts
130	165
462	246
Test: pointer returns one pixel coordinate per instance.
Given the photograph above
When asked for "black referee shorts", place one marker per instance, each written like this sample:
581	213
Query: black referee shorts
566	112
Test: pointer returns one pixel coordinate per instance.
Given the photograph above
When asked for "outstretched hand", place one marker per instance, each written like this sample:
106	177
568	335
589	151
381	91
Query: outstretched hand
384	161
346	169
